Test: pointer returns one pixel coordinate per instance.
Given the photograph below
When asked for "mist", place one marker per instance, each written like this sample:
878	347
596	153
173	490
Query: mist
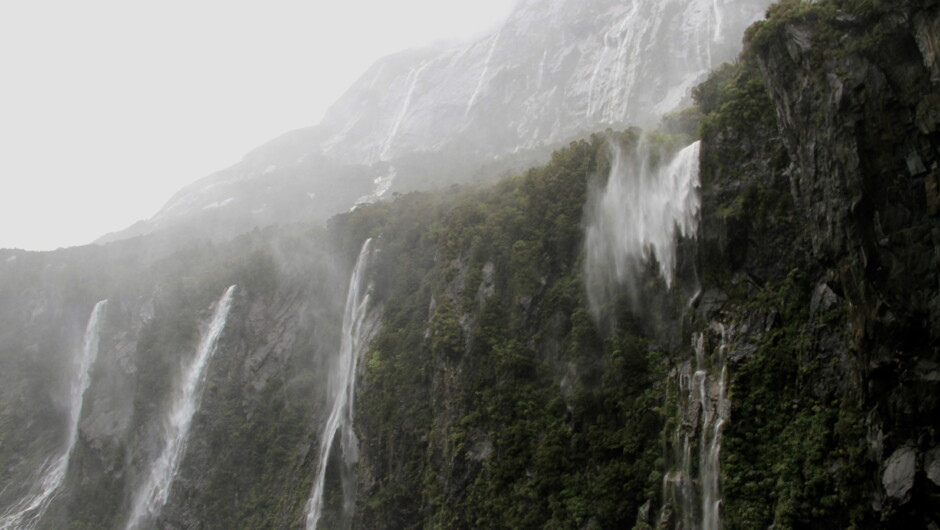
365	273
109	108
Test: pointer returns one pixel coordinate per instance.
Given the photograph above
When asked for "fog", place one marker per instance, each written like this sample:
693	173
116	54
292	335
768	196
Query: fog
221	156
107	107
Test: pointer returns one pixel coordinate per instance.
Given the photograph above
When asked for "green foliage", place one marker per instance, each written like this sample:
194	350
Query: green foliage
793	456
771	32
834	28
794	452
489	397
683	122
734	97
710	94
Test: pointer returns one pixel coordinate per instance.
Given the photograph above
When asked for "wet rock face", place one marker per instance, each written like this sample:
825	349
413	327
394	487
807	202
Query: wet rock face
927	32
864	153
555	68
818	231
861	129
554	71
898	477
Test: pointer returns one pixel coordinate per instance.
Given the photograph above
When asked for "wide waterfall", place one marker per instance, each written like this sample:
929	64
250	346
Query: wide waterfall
692	487
28	512
153	493
647	201
357	330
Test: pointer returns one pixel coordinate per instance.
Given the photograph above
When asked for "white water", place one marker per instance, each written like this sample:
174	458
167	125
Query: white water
27	513
710	456
633	51
626	38
636	217
153	494
482	78
716	21
356	333
694	495
412	81
380	186
632	34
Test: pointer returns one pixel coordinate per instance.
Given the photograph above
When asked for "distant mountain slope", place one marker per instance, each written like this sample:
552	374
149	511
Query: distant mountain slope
553	71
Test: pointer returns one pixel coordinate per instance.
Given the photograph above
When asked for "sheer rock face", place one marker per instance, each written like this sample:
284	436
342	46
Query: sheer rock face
282	319
864	145
898	478
861	130
818	249
553	71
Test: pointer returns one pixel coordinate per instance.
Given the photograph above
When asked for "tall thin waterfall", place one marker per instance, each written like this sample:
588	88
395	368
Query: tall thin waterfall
692	488
356	333
412	82
646	203
27	513
153	493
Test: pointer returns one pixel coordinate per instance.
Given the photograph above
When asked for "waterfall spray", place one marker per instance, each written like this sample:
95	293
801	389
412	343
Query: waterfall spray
693	495
152	496
357	329
637	216
27	513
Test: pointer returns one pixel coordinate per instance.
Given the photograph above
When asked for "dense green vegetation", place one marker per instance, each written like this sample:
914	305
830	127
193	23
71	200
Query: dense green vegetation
489	397
799	450
790	426
794	455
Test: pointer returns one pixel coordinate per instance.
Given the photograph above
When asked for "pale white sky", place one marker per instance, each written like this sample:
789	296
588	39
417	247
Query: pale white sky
107	107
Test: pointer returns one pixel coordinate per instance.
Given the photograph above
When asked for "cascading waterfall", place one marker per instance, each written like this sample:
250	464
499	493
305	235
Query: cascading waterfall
649	200
636	217
342	380
692	488
29	511
153	494
482	78
633	50
381	184
412	82
710	443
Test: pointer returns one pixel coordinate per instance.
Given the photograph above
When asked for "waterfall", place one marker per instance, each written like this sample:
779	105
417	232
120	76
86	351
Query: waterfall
626	39
482	78
412	82
153	494
667	44
695	491
27	513
647	201
342	380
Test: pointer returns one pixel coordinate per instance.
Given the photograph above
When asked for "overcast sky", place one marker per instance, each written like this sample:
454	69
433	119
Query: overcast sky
107	107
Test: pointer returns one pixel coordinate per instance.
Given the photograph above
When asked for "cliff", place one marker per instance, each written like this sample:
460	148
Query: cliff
554	71
816	263
772	362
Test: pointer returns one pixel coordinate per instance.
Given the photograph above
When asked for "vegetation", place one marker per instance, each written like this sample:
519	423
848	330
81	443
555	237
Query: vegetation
489	397
794	454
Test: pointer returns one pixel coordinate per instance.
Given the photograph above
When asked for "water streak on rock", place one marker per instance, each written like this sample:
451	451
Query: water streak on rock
153	494
27	513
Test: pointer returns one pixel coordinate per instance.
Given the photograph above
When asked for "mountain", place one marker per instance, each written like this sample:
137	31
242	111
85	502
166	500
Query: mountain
552	72
734	323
